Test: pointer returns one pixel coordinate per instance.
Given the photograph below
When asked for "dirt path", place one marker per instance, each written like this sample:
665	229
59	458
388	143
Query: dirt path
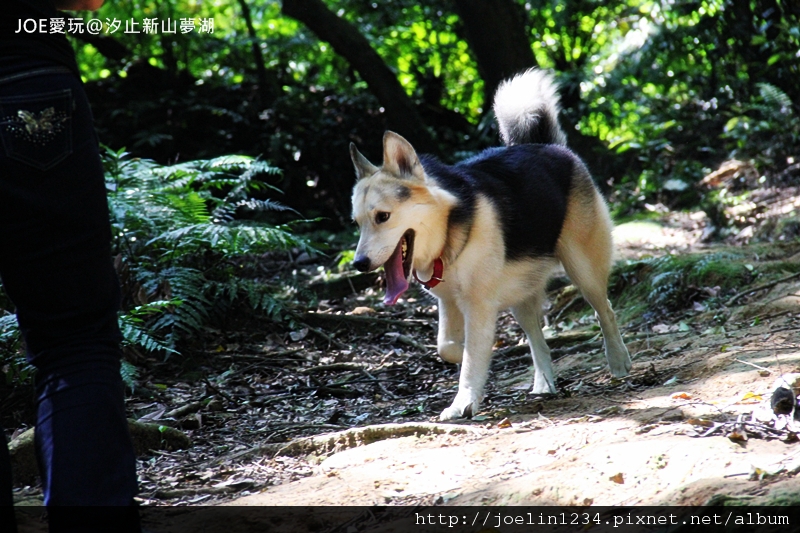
633	442
626	448
363	383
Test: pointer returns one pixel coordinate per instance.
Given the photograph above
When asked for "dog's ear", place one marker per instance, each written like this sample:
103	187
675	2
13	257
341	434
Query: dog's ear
400	159
364	168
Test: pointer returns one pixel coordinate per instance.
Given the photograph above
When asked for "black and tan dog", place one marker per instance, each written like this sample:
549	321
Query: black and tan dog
485	234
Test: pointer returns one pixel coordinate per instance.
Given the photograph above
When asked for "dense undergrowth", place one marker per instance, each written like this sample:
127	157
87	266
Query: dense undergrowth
669	286
656	95
188	240
664	91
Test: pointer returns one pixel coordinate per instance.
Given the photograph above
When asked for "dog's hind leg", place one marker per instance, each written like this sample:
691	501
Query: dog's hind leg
585	250
450	342
529	316
592	280
480	320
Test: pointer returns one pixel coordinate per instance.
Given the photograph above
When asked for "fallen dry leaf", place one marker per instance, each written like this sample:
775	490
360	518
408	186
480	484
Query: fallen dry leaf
750	397
681	396
700	422
738	436
618	478
504	424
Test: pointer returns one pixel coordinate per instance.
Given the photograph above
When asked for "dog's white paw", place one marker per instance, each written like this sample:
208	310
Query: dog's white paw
463	407
620	364
541	385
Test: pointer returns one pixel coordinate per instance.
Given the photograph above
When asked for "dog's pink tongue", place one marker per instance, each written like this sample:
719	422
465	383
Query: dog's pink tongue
396	282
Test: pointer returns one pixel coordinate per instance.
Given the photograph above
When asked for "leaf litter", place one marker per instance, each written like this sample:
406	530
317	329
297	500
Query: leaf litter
251	387
274	390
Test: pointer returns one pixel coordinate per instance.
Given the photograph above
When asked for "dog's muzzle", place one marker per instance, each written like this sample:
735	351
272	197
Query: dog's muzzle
362	263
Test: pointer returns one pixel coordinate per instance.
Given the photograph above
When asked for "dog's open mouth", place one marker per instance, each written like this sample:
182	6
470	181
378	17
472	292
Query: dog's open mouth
398	268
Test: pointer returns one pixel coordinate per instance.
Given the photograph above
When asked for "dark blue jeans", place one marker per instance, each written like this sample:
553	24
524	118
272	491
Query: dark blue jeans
55	264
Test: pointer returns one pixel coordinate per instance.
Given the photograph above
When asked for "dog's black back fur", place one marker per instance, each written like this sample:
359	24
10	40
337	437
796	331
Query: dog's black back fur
528	185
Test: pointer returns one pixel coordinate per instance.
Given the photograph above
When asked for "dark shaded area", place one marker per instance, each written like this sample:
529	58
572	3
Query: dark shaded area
496	33
305	133
353	46
690	97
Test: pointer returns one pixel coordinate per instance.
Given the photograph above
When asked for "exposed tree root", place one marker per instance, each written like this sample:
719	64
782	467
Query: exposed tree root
351	438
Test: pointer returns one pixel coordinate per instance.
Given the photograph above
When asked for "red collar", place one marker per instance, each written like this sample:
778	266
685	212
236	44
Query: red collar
438	270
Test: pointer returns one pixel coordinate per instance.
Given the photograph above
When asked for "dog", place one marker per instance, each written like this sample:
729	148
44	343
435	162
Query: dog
485	234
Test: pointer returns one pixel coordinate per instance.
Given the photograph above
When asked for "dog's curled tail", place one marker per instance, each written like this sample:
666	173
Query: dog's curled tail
526	107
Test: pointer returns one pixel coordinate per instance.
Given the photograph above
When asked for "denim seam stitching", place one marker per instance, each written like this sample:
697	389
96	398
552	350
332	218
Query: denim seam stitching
36	72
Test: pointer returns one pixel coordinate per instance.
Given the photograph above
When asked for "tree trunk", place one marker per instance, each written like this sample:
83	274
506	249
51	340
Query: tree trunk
349	43
496	33
267	85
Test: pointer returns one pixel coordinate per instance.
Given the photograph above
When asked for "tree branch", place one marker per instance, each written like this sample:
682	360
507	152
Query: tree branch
349	43
267	85
496	33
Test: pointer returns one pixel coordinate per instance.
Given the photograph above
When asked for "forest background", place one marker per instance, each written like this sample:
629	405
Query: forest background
227	123
656	94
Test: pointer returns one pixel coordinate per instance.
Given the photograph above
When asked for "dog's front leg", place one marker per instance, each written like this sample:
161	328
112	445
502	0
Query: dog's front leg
480	321
450	343
529	316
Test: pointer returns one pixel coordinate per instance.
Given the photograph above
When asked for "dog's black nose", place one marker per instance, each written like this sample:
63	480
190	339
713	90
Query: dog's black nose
361	263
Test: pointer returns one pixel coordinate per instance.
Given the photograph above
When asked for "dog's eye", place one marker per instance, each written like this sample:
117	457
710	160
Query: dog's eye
381	217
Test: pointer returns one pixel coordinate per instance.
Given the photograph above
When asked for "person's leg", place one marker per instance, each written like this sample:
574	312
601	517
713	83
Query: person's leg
56	267
7	520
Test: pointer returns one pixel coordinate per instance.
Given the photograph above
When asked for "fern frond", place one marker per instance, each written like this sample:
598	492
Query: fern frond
9	332
167	220
237	238
135	333
189	207
129	374
227	162
251	204
775	98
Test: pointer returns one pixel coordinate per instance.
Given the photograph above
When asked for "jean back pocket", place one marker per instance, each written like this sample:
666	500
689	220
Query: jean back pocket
37	129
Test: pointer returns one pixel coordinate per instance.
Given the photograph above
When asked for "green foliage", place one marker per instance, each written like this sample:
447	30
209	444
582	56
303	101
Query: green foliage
671	283
192	207
135	332
672	88
767	128
182	236
129	374
179	232
693	84
12	359
421	42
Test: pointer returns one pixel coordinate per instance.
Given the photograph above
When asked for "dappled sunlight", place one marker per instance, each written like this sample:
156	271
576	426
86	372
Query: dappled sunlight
600	441
248	330
669	233
767	215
